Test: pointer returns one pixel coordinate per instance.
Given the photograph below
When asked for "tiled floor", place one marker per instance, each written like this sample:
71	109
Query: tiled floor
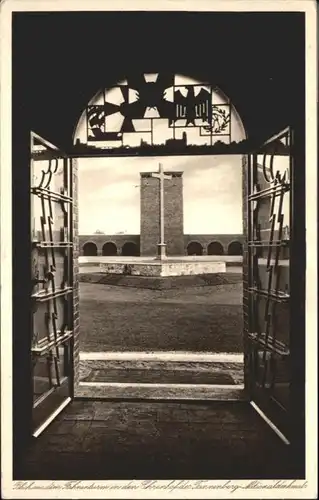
158	440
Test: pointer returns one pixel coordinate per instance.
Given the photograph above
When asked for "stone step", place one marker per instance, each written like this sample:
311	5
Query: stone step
161	372
136	376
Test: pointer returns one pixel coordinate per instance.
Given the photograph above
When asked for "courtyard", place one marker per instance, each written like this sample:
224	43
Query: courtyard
188	319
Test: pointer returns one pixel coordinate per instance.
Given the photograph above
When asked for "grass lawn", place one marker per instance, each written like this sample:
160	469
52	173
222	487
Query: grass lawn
116	318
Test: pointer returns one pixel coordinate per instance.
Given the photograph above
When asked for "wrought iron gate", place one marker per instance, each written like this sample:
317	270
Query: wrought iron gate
268	333
52	281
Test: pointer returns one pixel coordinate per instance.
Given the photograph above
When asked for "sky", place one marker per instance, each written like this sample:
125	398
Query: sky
109	194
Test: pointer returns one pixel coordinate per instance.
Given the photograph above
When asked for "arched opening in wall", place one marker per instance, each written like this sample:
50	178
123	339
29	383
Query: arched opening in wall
130	249
194	248
215	248
235	248
109	249
89	249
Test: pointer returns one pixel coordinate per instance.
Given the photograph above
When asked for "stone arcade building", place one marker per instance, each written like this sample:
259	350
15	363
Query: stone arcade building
129	244
145	243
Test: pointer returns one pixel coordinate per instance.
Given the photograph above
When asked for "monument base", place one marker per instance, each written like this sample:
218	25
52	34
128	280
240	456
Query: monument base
158	268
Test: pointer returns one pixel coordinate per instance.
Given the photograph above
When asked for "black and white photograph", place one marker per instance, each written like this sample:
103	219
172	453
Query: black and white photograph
156	182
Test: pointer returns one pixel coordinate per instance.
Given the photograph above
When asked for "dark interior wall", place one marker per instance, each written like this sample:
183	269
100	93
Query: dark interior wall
64	58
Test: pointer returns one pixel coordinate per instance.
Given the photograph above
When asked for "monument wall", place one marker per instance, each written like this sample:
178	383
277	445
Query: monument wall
174	217
149	224
150	214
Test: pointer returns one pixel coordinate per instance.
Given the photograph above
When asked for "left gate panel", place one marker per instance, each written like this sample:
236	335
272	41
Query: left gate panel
52	282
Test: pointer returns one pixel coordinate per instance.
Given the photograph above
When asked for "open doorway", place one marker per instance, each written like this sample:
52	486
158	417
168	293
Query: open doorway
161	292
112	365
138	327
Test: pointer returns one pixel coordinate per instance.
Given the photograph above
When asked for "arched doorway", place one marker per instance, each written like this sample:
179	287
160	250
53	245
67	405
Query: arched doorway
109	249
235	248
89	249
194	248
215	248
130	249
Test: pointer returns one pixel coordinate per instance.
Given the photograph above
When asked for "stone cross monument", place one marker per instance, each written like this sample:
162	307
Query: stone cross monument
161	175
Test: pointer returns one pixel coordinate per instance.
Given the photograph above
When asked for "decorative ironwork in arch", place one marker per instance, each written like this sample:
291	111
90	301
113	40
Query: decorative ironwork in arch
160	114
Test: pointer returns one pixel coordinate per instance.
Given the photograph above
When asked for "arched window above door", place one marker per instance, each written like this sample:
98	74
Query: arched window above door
162	113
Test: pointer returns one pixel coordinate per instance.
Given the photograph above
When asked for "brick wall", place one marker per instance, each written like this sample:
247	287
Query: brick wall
149	210
173	214
100	239
204	239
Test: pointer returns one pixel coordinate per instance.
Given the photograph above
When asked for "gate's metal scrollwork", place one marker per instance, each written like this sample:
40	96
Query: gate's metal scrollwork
268	244
51	206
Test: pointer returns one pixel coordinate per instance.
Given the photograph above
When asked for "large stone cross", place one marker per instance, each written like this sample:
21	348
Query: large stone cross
161	175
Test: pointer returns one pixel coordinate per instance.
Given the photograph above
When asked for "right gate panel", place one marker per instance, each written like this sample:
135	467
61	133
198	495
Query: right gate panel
268	337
